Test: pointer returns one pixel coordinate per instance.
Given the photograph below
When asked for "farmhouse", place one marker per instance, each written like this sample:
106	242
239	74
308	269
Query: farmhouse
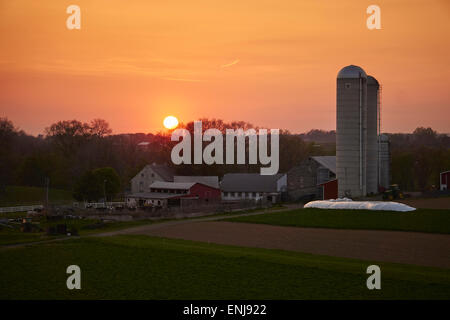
253	186
308	180
161	172
149	174
169	194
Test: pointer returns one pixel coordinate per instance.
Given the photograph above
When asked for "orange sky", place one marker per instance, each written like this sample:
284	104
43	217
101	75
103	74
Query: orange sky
271	63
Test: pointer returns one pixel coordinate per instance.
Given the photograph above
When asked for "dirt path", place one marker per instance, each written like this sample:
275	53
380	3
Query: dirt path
390	246
430	203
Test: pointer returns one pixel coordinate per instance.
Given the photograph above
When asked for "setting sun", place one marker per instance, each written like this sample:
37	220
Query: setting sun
170	122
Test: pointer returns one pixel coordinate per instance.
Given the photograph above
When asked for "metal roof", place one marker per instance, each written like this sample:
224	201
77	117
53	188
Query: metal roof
211	181
163	170
249	182
172	185
328	162
351	72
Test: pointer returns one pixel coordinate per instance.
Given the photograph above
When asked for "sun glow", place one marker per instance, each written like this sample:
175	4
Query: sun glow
170	122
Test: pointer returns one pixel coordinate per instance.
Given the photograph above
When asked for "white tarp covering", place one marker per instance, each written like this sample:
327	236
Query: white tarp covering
346	203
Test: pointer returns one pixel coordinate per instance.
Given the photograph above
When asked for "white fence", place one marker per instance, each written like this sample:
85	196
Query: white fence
20	208
75	204
98	204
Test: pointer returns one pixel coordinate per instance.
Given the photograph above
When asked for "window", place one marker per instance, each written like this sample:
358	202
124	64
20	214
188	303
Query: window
348	85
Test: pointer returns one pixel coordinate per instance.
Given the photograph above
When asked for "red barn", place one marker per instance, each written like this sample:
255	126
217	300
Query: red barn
203	192
165	194
445	180
329	189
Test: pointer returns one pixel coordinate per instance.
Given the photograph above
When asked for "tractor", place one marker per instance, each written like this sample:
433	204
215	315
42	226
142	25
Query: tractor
393	192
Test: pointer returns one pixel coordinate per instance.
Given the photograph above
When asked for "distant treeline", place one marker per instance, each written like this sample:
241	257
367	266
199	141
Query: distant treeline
69	150
418	158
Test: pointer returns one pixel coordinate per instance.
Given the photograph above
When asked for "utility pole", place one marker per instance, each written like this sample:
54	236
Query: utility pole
47	183
104	191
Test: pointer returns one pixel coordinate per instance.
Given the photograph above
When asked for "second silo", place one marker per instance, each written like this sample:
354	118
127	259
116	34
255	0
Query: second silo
372	124
351	106
384	161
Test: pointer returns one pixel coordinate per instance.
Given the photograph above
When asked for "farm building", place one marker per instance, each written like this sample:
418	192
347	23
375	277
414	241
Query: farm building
329	189
212	181
444	178
148	175
167	194
161	172
253	186
305	181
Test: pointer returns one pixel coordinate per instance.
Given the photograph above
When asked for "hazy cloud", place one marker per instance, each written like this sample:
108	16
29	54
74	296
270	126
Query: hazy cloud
230	64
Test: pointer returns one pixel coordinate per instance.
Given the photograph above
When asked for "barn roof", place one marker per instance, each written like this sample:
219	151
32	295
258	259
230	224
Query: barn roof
163	170
328	162
249	182
211	181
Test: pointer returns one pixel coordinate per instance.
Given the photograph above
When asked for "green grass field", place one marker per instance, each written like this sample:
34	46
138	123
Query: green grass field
421	220
140	267
19	196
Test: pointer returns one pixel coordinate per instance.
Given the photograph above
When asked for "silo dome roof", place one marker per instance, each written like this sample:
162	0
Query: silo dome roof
351	71
372	80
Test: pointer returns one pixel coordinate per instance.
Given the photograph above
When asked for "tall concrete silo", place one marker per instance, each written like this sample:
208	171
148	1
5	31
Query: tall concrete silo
373	103
351	108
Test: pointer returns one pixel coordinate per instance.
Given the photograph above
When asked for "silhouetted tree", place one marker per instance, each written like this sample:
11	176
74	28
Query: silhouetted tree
99	128
95	184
